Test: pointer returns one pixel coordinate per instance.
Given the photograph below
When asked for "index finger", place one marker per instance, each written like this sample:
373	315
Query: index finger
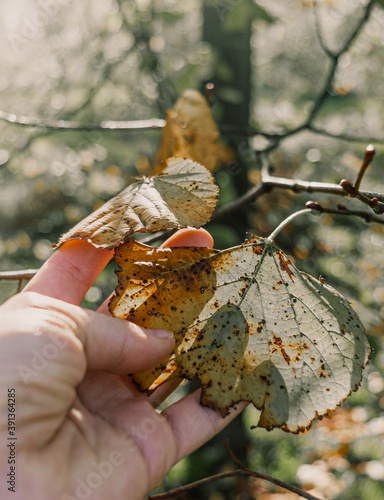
70	272
74	267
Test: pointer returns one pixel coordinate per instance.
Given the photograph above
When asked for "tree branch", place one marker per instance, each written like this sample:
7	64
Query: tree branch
276	138
26	121
319	33
242	471
269	182
343	137
323	94
298	185
334	58
342	210
239	472
158	123
18	275
242	201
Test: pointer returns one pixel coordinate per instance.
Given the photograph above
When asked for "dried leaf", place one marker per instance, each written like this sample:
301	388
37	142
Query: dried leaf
190	132
249	325
182	195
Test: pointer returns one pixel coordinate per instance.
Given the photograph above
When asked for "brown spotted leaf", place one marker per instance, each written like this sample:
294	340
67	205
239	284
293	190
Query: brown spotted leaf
190	132
248	325
182	195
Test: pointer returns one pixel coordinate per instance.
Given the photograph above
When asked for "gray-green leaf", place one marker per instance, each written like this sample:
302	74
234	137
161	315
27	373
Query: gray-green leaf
183	194
248	325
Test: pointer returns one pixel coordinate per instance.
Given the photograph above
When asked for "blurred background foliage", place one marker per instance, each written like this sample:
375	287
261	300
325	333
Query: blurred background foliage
90	61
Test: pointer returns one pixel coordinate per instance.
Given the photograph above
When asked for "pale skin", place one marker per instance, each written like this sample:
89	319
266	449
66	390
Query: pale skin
82	433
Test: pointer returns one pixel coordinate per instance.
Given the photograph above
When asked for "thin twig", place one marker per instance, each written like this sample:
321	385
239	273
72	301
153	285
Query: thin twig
18	275
269	182
148	239
342	210
298	185
324	92
353	191
155	123
319	33
376	205
242	201
239	472
271	479
26	121
242	471
278	136
343	137
233	457
334	58
368	157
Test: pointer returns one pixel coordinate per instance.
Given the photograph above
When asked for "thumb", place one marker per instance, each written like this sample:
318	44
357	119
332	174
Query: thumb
83	338
118	346
46	346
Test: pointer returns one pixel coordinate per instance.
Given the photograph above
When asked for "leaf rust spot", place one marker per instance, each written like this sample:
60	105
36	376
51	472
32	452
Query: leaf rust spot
322	370
258	249
277	340
285	356
277	286
284	264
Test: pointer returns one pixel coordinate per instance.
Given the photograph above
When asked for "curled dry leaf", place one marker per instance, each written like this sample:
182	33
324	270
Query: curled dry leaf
190	132
248	325
184	194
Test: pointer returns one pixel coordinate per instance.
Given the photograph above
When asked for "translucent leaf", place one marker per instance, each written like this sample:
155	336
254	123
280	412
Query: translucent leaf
190	132
182	195
248	325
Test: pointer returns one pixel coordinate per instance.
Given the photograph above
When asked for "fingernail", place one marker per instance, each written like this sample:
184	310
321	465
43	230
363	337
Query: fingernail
161	334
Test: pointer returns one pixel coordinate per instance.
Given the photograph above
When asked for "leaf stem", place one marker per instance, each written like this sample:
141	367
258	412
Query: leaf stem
287	221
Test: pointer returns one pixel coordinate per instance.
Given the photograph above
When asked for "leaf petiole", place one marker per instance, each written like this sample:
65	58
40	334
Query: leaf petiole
285	222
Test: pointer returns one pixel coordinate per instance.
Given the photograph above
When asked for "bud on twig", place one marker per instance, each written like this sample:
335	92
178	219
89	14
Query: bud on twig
347	187
314	205
374	202
369	152
379	208
368	156
209	92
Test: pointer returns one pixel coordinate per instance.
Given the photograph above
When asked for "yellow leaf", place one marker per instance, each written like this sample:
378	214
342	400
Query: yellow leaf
190	132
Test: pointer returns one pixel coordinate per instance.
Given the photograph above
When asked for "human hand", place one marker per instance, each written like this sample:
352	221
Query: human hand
81	432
